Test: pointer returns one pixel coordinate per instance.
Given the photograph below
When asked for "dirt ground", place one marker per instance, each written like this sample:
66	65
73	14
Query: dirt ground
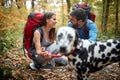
18	64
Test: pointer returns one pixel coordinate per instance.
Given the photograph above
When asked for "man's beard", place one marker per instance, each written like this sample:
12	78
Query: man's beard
75	26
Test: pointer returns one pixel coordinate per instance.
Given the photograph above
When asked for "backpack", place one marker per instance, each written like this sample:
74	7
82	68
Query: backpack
87	8
34	19
93	16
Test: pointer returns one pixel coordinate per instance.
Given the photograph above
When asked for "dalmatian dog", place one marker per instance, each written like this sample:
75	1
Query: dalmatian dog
87	56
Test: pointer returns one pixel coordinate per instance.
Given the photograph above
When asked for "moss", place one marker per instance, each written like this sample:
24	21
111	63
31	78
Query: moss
5	72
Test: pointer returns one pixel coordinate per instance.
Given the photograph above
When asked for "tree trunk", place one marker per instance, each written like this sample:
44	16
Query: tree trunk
68	5
116	18
105	15
103	12
33	4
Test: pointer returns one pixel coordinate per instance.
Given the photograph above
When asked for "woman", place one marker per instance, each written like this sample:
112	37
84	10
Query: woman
43	42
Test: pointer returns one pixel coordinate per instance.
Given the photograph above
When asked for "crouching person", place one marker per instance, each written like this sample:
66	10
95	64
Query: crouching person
43	43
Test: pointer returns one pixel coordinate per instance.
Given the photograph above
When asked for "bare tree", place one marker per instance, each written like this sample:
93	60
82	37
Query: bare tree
106	4
68	5
116	18
103	13
33	4
106	15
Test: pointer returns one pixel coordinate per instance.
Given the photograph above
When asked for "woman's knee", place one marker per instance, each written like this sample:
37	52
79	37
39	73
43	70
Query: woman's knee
62	60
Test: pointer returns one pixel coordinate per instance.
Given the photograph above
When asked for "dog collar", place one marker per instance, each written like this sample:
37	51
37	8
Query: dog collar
73	50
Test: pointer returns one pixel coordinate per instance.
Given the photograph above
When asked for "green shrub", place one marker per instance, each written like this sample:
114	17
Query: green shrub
110	34
7	40
5	73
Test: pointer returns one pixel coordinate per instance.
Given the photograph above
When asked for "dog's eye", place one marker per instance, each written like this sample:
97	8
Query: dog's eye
70	37
59	36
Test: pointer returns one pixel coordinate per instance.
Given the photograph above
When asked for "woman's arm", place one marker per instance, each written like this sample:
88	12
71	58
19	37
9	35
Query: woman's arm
36	39
39	50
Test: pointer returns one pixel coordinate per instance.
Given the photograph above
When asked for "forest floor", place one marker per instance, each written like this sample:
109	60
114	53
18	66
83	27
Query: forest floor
15	61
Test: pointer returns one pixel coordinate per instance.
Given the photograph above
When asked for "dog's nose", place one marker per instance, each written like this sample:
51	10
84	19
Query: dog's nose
63	49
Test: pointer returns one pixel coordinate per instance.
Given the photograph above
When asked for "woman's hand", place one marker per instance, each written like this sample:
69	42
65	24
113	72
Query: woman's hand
44	53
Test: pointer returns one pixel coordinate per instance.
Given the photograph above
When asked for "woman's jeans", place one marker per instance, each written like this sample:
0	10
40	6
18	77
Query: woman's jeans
53	48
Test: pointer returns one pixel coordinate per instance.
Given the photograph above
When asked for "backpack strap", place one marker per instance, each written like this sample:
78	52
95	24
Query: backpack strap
86	31
41	31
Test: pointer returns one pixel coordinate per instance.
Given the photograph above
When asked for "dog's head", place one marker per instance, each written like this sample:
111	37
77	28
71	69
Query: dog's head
66	39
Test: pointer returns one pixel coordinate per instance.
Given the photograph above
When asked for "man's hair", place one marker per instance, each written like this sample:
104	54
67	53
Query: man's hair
79	13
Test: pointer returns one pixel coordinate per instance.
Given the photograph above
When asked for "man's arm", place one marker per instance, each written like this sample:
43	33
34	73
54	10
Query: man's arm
69	24
93	31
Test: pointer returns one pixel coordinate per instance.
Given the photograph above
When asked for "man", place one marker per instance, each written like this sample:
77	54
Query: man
87	9
86	28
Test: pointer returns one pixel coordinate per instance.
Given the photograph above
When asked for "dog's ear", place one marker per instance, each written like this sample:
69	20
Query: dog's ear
76	38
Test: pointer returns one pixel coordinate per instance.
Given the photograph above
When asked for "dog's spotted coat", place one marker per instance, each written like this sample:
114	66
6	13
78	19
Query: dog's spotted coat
87	56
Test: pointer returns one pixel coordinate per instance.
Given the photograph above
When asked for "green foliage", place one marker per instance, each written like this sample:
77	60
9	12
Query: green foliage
10	17
102	36
5	72
12	21
74	1
109	35
7	40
